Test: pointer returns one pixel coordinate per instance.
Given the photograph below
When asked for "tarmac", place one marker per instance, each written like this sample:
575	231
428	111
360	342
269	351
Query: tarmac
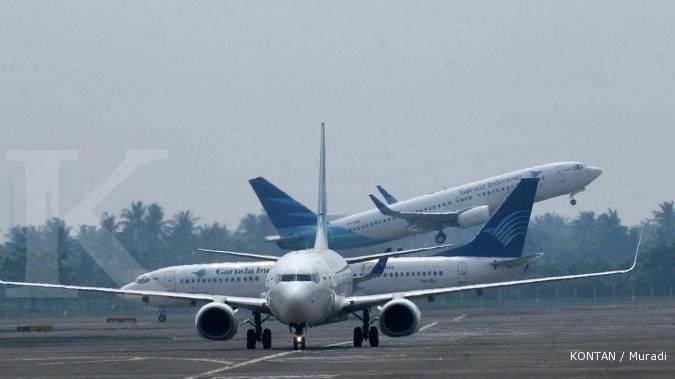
504	342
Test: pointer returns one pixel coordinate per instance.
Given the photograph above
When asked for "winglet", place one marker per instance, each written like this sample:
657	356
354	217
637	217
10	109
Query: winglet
387	196
385	210
321	241
637	252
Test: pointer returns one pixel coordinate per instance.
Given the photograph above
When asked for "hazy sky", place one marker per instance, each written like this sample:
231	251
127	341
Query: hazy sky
415	95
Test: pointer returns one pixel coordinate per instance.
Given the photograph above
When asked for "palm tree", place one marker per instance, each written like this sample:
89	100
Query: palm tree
214	236
132	220
154	223
109	222
182	226
665	220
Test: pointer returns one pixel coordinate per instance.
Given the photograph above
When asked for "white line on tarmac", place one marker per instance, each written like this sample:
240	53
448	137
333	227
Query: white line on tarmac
459	318
102	358
242	364
425	327
278	355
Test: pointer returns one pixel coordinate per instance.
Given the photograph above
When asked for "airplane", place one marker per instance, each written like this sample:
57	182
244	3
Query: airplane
462	207
312	287
484	259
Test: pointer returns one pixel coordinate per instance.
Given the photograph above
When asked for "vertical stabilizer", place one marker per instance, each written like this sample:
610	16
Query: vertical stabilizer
321	241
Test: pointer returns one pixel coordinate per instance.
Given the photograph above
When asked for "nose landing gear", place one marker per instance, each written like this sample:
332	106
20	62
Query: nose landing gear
161	317
573	201
440	237
366	331
298	338
258	334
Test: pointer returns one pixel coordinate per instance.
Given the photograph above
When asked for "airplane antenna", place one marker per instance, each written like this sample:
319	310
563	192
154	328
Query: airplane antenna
321	241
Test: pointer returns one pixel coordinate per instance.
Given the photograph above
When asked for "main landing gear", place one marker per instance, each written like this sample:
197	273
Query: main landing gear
161	317
258	334
440	237
573	201
366	331
298	338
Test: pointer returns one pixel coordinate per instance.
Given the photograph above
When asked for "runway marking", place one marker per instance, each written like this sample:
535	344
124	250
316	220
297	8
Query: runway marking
242	364
94	359
425	327
459	318
278	355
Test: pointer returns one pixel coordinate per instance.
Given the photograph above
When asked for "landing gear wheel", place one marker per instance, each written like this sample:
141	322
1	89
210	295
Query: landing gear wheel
250	339
358	337
267	339
373	336
573	202
441	237
161	317
299	343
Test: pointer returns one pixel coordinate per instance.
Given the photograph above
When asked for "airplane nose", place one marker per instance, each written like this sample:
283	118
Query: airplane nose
295	302
129	286
593	172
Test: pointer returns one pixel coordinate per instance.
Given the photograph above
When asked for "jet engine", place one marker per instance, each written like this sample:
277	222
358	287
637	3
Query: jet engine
474	216
216	321
399	318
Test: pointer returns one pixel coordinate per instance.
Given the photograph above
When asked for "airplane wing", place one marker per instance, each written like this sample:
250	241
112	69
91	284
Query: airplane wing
244	255
364	258
424	221
359	302
252	303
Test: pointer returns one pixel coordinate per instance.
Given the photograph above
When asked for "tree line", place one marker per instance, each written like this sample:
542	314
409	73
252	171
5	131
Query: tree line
587	242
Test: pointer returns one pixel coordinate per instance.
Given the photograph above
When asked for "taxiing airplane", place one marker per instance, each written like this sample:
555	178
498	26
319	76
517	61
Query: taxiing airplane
312	287
462	207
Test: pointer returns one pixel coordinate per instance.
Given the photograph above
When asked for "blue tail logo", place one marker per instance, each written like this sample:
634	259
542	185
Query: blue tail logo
513	226
504	234
288	216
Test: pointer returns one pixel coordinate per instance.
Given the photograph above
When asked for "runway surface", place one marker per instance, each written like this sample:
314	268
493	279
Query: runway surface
500	342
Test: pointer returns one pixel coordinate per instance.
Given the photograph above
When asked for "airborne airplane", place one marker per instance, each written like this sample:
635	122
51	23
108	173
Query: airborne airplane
312	287
462	206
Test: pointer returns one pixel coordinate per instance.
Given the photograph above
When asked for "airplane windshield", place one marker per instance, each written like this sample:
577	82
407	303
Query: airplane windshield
142	280
297	278
579	166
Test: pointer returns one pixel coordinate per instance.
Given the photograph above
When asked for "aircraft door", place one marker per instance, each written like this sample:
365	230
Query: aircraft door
170	281
462	273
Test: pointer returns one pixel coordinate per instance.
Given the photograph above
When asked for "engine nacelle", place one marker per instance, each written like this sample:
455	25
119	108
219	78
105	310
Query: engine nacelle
474	216
400	318
216	321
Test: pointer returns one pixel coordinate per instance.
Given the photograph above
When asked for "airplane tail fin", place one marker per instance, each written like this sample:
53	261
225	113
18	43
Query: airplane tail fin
287	215
504	234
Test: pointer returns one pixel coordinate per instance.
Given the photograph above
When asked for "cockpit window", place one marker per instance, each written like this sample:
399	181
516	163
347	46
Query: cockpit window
142	280
578	166
299	278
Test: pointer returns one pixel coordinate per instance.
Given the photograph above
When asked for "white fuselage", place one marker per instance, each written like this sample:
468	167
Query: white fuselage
555	179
